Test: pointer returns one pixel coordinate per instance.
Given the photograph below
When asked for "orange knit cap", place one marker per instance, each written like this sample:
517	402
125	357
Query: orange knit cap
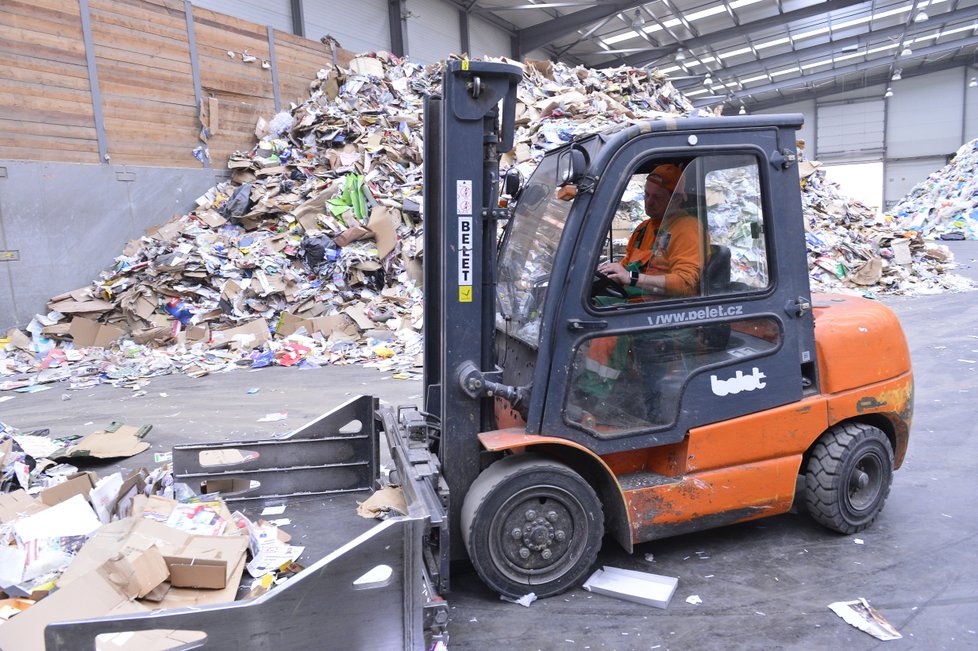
667	176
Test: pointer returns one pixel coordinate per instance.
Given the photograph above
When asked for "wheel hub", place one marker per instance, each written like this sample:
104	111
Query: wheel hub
536	536
865	482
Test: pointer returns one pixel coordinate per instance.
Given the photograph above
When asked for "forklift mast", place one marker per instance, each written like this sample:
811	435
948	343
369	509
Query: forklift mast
475	113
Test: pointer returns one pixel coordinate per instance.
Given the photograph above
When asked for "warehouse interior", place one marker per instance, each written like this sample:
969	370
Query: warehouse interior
127	123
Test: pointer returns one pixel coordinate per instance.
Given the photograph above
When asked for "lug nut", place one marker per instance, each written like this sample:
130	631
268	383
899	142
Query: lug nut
524	552
546	553
552	516
560	535
531	515
516	534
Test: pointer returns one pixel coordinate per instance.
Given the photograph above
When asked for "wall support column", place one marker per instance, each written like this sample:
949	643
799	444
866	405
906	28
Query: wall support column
86	21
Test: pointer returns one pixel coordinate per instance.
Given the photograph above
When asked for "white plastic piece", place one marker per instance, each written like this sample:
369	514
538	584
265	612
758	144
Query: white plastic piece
640	587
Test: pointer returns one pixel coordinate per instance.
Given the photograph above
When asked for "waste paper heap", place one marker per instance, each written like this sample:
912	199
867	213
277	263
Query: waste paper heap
853	249
945	204
310	254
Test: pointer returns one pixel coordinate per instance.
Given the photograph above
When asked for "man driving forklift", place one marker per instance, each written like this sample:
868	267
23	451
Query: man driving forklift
664	255
664	258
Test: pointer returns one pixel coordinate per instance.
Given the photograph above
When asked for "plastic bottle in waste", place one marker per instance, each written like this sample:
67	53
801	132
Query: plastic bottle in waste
179	311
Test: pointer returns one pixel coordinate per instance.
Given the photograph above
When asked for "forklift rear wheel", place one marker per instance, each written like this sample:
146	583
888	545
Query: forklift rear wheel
848	477
531	525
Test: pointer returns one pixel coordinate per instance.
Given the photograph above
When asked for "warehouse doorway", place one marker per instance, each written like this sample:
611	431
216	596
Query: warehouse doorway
862	181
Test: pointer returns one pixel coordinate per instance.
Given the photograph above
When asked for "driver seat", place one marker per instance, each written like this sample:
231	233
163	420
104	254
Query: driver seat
717	275
716	281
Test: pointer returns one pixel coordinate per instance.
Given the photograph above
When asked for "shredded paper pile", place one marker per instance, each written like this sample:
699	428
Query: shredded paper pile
310	253
945	204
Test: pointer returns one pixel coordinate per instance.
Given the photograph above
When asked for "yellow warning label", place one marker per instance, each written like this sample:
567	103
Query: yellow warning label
464	294
465	64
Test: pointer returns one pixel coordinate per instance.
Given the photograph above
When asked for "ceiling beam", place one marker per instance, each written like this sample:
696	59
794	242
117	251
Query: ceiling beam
833	73
744	30
874	79
474	10
861	41
548	31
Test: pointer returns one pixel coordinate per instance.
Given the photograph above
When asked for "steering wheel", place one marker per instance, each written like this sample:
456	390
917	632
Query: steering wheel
602	285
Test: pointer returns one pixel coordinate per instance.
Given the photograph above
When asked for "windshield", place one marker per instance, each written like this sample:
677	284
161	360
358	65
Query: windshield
528	252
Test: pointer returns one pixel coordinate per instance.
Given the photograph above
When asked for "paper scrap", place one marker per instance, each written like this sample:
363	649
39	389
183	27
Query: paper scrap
866	618
524	601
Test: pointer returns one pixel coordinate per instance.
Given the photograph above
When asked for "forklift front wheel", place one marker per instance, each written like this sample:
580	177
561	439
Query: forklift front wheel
848	477
531	525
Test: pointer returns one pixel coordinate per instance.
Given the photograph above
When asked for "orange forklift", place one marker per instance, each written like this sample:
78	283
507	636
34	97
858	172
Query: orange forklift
713	408
719	401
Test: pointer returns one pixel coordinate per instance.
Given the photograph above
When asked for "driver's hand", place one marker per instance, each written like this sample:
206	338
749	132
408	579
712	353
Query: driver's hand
614	271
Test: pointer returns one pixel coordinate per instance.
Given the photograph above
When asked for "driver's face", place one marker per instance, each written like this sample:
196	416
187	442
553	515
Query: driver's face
656	199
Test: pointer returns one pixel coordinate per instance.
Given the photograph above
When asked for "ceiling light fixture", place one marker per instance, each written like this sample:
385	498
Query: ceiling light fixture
921	16
906	52
973	82
742	110
888	93
897	74
680	55
638	21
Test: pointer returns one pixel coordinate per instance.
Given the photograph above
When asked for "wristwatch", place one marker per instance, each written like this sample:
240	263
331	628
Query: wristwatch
634	279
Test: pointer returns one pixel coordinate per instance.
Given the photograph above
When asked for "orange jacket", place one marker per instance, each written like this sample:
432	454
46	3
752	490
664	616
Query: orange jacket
670	247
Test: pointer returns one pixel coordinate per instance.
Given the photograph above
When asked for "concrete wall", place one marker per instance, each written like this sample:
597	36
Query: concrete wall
926	120
432	26
432	30
277	13
67	222
807	131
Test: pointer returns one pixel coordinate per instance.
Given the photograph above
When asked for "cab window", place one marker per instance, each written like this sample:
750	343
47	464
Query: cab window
684	228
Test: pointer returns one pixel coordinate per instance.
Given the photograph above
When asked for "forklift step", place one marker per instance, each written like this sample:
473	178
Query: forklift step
644	479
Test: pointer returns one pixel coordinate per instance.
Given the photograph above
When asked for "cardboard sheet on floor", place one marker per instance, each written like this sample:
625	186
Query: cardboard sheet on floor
111	443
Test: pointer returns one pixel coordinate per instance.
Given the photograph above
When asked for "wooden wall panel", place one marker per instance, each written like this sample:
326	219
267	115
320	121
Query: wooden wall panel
238	85
145	80
45	93
298	61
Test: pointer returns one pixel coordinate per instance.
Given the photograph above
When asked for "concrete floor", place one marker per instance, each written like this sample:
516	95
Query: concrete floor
763	585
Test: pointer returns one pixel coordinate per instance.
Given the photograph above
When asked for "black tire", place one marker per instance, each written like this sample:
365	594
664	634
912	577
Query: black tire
848	477
557	518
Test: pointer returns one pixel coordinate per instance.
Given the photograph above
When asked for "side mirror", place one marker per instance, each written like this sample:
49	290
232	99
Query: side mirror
512	183
572	165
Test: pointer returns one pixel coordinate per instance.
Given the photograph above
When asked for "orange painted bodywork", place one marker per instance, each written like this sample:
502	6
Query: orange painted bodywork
858	342
746	468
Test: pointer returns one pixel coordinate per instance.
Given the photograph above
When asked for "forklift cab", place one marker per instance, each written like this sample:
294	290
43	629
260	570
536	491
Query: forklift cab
612	369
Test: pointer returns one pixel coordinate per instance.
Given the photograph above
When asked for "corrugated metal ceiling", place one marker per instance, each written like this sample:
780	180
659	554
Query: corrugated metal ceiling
756	53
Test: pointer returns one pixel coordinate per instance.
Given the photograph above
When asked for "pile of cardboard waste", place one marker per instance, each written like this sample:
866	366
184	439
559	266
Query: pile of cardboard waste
310	254
854	249
74	545
945	204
